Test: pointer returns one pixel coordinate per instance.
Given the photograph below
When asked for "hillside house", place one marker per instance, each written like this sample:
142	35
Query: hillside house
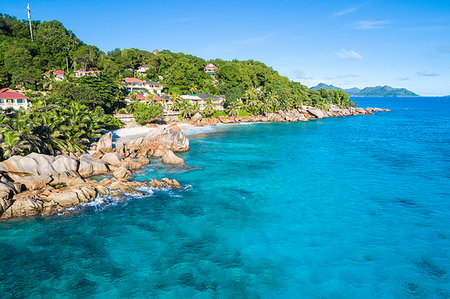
12	99
140	85
142	69
89	72
211	69
58	75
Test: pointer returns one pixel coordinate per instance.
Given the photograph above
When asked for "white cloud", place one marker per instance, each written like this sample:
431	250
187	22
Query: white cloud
348	54
403	78
349	10
369	25
427	74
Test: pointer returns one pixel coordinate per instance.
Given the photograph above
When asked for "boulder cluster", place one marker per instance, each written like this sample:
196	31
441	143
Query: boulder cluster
43	185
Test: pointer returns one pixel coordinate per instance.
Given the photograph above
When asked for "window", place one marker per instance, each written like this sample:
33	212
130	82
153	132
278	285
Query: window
19	101
2	101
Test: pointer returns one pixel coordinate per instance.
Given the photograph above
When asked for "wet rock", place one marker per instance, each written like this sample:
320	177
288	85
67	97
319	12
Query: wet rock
170	183
156	184
26	206
143	160
102	190
170	158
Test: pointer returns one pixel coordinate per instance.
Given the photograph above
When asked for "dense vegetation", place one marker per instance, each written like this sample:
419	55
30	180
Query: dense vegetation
250	87
50	131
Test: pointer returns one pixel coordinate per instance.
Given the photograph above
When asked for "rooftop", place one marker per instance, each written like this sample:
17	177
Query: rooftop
211	66
131	80
7	93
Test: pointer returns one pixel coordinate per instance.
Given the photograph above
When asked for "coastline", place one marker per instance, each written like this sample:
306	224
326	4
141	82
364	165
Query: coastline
40	185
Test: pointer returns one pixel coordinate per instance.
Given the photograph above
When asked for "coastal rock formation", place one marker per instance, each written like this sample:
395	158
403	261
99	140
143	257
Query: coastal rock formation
105	143
66	190
65	163
90	166
170	158
317	113
112	159
196	117
42	185
122	173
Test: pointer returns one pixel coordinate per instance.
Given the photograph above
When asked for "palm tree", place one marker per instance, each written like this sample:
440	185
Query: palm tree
209	107
193	89
233	109
49	78
187	109
10	144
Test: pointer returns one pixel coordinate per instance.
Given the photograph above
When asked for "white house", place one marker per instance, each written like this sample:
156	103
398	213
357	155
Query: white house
210	69
89	72
142	69
12	99
58	75
148	86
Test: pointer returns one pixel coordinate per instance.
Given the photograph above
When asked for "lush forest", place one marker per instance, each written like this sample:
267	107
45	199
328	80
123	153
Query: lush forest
250	87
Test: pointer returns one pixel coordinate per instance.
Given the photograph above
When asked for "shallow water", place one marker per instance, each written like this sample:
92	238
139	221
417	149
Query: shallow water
354	207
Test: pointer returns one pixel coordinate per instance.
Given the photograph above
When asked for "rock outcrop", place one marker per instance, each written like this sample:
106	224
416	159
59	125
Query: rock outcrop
105	143
170	158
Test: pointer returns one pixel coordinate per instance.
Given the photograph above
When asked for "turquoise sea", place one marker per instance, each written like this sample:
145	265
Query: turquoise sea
352	207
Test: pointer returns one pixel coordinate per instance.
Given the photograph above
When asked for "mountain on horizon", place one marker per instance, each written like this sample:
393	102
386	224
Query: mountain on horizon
377	91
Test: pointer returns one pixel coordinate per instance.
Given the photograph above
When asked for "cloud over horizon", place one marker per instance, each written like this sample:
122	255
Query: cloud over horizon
348	54
427	74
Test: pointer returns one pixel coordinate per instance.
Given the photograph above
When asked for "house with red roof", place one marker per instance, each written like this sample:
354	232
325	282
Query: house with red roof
12	99
58	75
89	72
210	69
140	85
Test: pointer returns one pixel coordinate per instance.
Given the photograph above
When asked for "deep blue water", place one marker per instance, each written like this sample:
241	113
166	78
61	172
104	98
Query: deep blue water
354	207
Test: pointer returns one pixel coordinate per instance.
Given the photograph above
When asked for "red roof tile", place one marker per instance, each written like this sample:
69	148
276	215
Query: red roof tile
130	80
211	66
7	93
138	96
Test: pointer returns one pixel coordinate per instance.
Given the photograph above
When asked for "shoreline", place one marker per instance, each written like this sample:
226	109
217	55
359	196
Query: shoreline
40	185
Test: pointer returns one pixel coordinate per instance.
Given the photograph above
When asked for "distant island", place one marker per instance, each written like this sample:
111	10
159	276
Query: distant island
377	91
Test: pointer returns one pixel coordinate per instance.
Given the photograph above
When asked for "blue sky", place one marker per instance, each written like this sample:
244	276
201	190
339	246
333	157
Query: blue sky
402	43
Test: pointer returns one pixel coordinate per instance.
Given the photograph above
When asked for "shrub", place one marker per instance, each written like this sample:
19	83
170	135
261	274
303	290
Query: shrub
218	113
243	113
144	113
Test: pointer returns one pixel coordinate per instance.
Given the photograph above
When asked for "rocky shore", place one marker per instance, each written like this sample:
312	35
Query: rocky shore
303	113
43	185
